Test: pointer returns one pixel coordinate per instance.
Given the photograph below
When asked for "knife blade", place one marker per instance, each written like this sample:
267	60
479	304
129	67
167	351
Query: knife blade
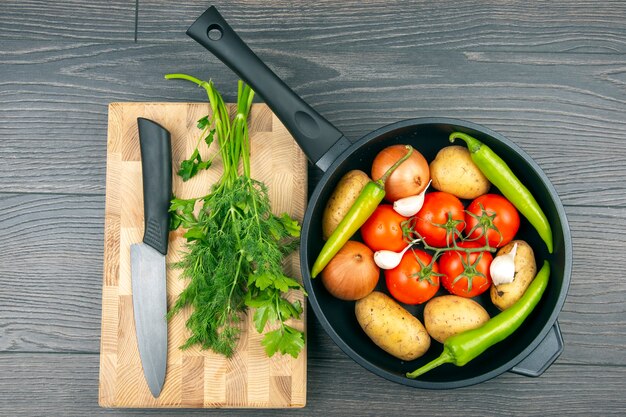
147	259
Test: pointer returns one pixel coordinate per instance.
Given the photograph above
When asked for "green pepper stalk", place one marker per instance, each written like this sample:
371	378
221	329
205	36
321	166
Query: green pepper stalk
463	347
371	195
500	175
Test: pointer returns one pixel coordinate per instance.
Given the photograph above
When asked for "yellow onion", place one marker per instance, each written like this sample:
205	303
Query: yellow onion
352	273
410	178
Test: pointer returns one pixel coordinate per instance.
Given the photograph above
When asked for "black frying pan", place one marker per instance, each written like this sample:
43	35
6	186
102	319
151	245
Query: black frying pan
530	350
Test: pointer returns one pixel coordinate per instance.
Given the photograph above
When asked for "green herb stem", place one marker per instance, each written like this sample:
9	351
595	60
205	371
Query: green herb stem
236	219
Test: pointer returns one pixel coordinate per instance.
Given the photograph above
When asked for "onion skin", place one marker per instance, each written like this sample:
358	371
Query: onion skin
352	273
410	178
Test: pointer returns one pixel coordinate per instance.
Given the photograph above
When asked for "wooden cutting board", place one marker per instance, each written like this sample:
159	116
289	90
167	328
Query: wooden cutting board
194	377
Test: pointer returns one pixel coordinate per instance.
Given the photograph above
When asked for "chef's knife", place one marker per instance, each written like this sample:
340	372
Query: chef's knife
147	259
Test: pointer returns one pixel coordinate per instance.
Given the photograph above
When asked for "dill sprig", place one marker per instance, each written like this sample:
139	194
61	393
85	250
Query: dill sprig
235	244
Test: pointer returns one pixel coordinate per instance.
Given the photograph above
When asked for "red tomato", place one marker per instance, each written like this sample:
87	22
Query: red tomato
382	231
439	217
463	277
496	215
412	281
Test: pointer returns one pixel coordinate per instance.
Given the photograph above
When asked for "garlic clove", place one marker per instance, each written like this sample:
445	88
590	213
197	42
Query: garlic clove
386	259
409	206
502	267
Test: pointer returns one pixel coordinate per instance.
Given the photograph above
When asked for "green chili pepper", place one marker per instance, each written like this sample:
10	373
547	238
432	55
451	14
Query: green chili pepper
371	195
500	175
463	347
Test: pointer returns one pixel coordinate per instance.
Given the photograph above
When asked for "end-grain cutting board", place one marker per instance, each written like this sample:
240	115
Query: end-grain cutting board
194	378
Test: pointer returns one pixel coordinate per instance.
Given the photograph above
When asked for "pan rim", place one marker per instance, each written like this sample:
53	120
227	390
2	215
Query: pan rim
398	378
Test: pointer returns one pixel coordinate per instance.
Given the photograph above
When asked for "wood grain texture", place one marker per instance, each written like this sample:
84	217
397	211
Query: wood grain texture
46	303
437	25
195	378
560	26
553	106
549	75
68	20
64	386
51	302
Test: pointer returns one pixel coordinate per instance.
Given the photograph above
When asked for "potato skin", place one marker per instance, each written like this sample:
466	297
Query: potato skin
391	327
454	172
342	198
505	295
448	315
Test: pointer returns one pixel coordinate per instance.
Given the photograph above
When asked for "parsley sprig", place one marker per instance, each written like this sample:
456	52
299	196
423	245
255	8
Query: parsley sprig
191	166
235	244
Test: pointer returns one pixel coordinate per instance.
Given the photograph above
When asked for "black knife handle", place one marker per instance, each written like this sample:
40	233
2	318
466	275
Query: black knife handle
156	165
315	135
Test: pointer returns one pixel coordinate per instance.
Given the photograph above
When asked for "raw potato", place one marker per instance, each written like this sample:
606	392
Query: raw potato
505	295
454	172
342	198
448	315
391	327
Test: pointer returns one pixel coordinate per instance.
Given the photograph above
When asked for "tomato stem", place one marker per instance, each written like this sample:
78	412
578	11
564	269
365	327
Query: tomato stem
484	222
413	235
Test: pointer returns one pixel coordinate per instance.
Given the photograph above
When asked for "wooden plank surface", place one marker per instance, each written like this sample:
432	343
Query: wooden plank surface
553	106
64	386
195	378
561	26
68	20
548	75
558	26
57	307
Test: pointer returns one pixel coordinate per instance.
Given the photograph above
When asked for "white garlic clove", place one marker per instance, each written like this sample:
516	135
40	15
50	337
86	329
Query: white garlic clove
409	206
502	268
386	259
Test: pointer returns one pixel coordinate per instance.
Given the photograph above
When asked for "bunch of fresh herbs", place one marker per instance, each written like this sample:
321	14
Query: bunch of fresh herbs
235	244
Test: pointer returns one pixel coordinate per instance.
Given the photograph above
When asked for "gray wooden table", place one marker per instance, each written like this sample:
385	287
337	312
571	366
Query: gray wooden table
551	76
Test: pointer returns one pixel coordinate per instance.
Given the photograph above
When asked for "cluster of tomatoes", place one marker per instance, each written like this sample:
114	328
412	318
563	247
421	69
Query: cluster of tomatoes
457	244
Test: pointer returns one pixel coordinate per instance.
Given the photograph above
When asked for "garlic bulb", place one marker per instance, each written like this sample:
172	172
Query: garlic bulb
409	206
502	267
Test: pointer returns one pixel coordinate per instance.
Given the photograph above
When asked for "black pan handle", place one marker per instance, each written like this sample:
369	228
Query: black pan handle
318	138
544	354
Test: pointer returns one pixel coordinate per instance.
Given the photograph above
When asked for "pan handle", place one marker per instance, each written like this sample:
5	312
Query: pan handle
544	354
318	138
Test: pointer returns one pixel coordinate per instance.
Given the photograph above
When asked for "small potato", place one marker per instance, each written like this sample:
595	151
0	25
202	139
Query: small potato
342	198
448	315
391	327
504	296
454	172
